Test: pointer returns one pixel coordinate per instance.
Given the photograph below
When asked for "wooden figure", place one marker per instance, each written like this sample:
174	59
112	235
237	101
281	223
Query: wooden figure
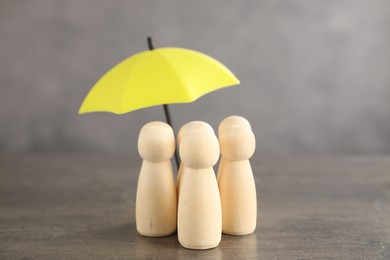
194	126
199	210
156	202
236	182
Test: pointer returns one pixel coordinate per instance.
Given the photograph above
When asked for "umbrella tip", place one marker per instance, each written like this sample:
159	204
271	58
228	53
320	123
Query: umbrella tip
150	43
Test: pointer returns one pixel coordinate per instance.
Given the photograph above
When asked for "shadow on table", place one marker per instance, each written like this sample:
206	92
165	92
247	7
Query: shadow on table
130	243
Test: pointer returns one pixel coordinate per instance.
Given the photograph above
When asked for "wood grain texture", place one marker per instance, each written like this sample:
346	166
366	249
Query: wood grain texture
82	207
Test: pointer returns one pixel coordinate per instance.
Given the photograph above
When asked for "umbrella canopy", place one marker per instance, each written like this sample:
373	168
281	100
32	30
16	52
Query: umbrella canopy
156	77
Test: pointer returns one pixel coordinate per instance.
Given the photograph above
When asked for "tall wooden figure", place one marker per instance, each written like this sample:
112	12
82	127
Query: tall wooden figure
235	180
156	201
199	211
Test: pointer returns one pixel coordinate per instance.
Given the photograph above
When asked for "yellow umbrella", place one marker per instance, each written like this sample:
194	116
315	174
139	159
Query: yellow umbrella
157	77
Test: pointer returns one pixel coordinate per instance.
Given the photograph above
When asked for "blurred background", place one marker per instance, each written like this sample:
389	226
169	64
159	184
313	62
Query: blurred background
315	75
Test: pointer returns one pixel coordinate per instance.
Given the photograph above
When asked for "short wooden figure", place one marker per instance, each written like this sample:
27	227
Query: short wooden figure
194	126
236	182
156	201
199	210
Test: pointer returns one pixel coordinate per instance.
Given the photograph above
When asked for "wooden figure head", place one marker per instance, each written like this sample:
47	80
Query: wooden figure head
156	142
199	150
237	143
194	126
233	121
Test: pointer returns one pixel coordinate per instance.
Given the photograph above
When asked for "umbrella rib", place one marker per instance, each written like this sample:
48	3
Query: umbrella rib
189	94
122	104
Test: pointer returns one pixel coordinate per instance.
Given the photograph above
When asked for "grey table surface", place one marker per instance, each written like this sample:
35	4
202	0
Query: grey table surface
82	207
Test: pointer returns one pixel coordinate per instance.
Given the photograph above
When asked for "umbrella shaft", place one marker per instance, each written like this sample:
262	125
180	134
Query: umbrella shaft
169	121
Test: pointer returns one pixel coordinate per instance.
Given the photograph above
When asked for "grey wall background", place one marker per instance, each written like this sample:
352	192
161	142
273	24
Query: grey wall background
315	74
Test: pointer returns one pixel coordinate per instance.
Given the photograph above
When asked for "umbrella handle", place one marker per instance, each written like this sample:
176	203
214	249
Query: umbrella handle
150	43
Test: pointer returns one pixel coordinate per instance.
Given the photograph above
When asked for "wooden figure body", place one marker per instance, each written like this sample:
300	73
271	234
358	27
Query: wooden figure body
194	126
156	201
199	210
236	181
